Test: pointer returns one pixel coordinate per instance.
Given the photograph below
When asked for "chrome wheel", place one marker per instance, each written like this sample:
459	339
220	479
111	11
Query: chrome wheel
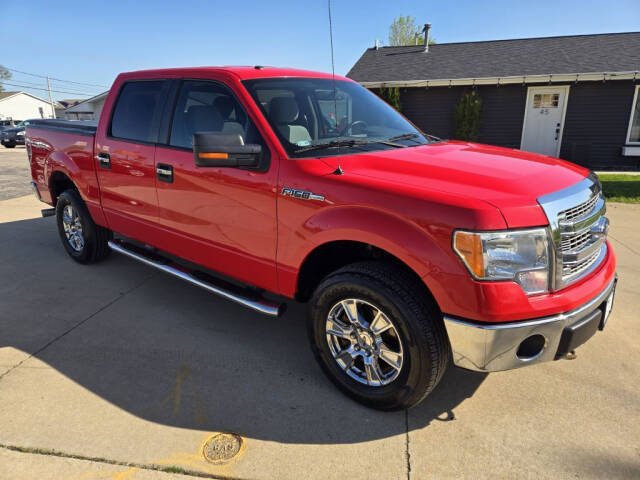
364	342
72	225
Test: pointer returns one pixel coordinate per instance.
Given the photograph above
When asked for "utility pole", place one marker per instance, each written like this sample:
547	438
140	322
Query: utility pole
53	108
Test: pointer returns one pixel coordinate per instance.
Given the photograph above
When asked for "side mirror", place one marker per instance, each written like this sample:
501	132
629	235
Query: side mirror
214	149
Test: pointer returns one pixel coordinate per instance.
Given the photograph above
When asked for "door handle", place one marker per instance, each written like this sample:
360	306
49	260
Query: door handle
557	132
164	172
104	159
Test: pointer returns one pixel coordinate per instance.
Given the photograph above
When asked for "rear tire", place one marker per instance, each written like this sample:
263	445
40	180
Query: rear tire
83	240
414	339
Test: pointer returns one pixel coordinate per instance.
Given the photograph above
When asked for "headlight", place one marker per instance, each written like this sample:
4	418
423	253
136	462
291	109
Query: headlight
519	255
20	134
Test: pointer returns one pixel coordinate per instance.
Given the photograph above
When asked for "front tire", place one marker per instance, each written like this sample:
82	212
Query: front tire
83	240
378	335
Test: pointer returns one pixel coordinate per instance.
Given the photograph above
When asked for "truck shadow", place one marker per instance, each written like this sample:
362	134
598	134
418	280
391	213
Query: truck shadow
170	353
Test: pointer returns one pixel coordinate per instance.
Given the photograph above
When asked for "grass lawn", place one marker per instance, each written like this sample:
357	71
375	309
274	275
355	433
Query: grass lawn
621	188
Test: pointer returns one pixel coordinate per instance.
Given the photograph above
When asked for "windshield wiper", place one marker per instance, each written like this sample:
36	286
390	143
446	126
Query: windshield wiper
403	136
333	144
347	143
388	142
412	136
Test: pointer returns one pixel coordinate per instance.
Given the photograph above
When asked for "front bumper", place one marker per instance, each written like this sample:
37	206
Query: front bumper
504	346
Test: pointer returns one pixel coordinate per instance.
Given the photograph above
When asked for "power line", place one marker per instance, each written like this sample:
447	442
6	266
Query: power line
79	87
46	89
25	82
56	79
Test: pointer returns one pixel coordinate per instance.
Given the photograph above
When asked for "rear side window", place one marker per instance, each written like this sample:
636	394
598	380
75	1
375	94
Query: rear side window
137	110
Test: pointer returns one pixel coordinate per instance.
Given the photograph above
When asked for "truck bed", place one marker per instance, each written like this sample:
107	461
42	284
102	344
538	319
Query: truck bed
81	127
59	150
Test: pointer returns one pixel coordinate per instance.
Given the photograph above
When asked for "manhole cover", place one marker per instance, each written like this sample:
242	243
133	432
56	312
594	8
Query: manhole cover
222	447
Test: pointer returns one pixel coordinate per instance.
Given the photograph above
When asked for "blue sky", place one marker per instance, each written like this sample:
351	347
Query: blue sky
92	42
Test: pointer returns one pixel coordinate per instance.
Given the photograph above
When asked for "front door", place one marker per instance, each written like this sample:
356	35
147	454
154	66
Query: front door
220	217
544	119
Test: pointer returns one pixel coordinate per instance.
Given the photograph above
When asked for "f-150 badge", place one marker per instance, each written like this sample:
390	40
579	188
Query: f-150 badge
302	194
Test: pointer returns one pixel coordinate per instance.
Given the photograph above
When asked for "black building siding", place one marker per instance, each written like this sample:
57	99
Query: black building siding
502	115
596	123
595	127
500	119
431	109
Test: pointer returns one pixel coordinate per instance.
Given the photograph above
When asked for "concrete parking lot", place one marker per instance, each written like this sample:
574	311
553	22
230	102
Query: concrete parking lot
14	172
117	371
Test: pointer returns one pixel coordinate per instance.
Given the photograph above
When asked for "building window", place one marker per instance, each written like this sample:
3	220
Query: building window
633	135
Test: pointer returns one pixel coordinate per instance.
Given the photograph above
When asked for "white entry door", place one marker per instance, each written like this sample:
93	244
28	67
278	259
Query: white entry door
544	120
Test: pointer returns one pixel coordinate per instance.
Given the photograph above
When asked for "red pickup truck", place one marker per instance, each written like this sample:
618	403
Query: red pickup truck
411	251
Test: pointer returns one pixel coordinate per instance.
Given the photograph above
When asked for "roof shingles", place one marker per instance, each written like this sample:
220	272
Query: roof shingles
612	52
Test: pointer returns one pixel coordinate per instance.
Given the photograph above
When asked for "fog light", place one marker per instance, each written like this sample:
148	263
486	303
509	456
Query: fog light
531	347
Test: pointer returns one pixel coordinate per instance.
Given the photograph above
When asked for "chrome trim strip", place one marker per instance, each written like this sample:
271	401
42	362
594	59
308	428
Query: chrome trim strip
262	306
590	268
36	192
583	224
493	347
573	257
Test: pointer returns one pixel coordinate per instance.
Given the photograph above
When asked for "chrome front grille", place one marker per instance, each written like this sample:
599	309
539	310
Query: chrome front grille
579	211
575	269
575	242
578	229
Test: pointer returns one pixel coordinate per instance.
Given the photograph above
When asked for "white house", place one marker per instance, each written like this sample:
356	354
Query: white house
22	105
90	109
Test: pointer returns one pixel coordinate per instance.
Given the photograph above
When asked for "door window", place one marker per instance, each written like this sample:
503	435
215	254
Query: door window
136	113
546	100
209	107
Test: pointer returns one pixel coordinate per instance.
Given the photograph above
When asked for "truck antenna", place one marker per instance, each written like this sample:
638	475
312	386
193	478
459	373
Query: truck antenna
333	70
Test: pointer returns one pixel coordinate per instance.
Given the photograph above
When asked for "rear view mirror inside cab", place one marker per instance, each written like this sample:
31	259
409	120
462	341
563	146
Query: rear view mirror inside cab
215	149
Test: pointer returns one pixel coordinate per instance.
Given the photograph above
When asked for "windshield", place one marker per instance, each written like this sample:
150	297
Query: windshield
319	117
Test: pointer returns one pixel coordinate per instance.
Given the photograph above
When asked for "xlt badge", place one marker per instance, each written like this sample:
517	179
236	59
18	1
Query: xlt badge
302	194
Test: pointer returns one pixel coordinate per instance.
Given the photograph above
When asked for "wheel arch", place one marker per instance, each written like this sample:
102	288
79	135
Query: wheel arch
62	173
342	235
333	255
59	181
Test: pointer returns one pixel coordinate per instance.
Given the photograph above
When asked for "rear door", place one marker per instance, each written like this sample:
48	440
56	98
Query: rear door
221	217
125	151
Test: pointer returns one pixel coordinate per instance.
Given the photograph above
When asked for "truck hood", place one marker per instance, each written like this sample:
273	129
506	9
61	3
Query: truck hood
511	180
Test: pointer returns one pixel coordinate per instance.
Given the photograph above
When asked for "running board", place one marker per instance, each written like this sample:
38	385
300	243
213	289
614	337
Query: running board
257	304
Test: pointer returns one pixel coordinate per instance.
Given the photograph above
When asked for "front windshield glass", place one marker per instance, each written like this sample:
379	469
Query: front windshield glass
316	117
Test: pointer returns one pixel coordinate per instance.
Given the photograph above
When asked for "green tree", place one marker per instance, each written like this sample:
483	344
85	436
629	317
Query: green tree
4	75
403	31
391	95
466	118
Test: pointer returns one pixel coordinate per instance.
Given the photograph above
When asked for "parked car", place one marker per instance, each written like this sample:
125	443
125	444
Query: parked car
411	251
4	124
10	137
